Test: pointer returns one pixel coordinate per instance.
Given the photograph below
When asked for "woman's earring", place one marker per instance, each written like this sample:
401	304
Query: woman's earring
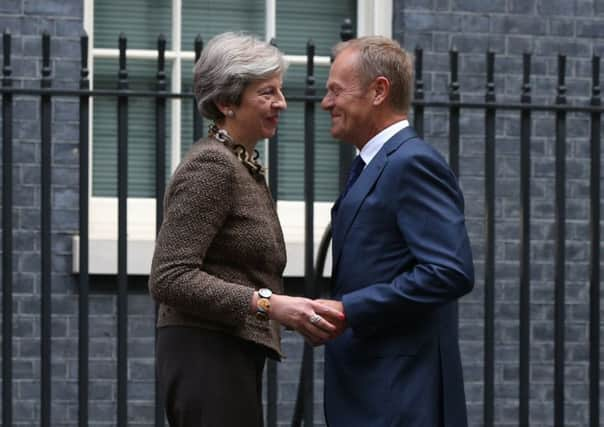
230	113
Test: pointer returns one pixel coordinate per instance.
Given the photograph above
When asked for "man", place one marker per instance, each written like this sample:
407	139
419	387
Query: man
401	255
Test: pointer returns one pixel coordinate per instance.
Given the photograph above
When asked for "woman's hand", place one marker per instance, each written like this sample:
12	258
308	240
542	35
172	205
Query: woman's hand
316	321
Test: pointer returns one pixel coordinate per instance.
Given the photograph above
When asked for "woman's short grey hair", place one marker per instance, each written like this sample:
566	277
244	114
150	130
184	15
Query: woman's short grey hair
229	62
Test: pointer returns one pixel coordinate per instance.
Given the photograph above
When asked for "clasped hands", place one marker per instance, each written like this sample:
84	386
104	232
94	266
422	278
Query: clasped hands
316	320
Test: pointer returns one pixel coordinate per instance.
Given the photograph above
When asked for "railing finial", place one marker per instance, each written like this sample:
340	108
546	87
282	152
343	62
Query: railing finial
595	71
454	84
490	95
198	46
310	65
346	32
561	97
122	73
6	51
526	77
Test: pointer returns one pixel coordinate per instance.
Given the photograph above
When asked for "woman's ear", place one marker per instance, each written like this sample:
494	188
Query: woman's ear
226	109
381	87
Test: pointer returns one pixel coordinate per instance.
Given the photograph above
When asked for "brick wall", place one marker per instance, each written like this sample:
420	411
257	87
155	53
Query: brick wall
26	20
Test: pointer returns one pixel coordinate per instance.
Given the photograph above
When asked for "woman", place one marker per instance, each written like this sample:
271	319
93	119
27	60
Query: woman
220	254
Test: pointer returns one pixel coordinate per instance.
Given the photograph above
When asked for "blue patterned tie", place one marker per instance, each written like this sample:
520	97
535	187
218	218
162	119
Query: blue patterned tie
355	170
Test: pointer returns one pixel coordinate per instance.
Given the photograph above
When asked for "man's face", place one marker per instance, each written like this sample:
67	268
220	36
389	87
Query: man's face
347	101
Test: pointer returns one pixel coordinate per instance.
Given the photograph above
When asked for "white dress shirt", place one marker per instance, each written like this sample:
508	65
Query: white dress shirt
376	143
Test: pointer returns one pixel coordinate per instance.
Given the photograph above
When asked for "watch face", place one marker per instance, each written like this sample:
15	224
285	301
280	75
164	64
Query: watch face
265	292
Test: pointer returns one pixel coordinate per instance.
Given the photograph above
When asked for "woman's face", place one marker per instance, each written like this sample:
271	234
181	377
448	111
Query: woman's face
257	116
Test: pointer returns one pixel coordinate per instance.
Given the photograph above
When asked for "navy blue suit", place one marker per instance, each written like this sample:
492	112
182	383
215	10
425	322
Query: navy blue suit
401	259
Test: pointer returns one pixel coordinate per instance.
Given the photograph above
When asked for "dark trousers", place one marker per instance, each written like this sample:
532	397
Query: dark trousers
209	379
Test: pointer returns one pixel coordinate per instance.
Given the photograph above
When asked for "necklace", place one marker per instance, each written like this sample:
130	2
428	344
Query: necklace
249	161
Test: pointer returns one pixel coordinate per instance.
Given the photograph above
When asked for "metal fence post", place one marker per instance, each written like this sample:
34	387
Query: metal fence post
489	279
45	216
454	97
525	244
594	262
560	252
122	240
83	302
7	234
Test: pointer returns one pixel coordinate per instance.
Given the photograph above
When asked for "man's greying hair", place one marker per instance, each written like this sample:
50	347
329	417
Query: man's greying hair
381	56
229	62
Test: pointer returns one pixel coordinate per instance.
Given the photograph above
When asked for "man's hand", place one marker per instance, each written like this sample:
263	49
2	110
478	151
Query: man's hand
338	320
317	322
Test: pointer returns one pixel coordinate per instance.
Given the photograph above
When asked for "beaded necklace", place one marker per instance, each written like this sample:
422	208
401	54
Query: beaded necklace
249	161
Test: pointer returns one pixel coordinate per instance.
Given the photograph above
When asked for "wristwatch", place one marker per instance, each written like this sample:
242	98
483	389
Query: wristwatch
264	305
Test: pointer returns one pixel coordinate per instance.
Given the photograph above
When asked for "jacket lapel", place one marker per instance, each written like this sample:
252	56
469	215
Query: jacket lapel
350	205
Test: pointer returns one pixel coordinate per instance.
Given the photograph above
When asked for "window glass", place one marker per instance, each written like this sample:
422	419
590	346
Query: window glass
320	20
140	20
210	17
291	141
141	130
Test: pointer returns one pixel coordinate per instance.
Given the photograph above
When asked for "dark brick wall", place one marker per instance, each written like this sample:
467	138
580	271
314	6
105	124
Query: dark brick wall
26	20
509	28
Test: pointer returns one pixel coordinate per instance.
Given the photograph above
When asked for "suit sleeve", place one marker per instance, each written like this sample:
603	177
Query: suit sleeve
197	205
428	206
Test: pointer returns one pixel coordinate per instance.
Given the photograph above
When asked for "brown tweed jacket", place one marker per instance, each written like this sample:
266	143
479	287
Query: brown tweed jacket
219	241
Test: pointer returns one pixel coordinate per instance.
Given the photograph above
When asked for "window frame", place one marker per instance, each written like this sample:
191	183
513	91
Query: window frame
373	17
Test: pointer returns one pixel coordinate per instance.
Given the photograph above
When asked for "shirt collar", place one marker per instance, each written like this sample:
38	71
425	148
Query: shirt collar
375	144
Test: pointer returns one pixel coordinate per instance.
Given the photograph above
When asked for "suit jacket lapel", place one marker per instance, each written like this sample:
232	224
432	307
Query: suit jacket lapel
350	205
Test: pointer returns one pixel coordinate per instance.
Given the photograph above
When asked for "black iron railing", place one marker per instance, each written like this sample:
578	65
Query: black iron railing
304	408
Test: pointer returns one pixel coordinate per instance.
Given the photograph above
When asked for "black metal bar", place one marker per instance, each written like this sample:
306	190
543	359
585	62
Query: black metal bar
273	165
346	152
122	242
560	254
513	106
273	157
160	180
418	110
197	118
346	31
7	234
309	220
45	213
98	92
299	405
84	284
272	383
346	155
454	114
56	92
489	280
594	261
320	261
160	131
525	244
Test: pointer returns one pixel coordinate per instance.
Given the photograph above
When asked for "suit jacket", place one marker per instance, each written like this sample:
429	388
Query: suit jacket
401	259
220	240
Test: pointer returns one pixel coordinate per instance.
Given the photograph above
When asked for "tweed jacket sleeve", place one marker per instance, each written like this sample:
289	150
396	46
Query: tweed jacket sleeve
196	206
